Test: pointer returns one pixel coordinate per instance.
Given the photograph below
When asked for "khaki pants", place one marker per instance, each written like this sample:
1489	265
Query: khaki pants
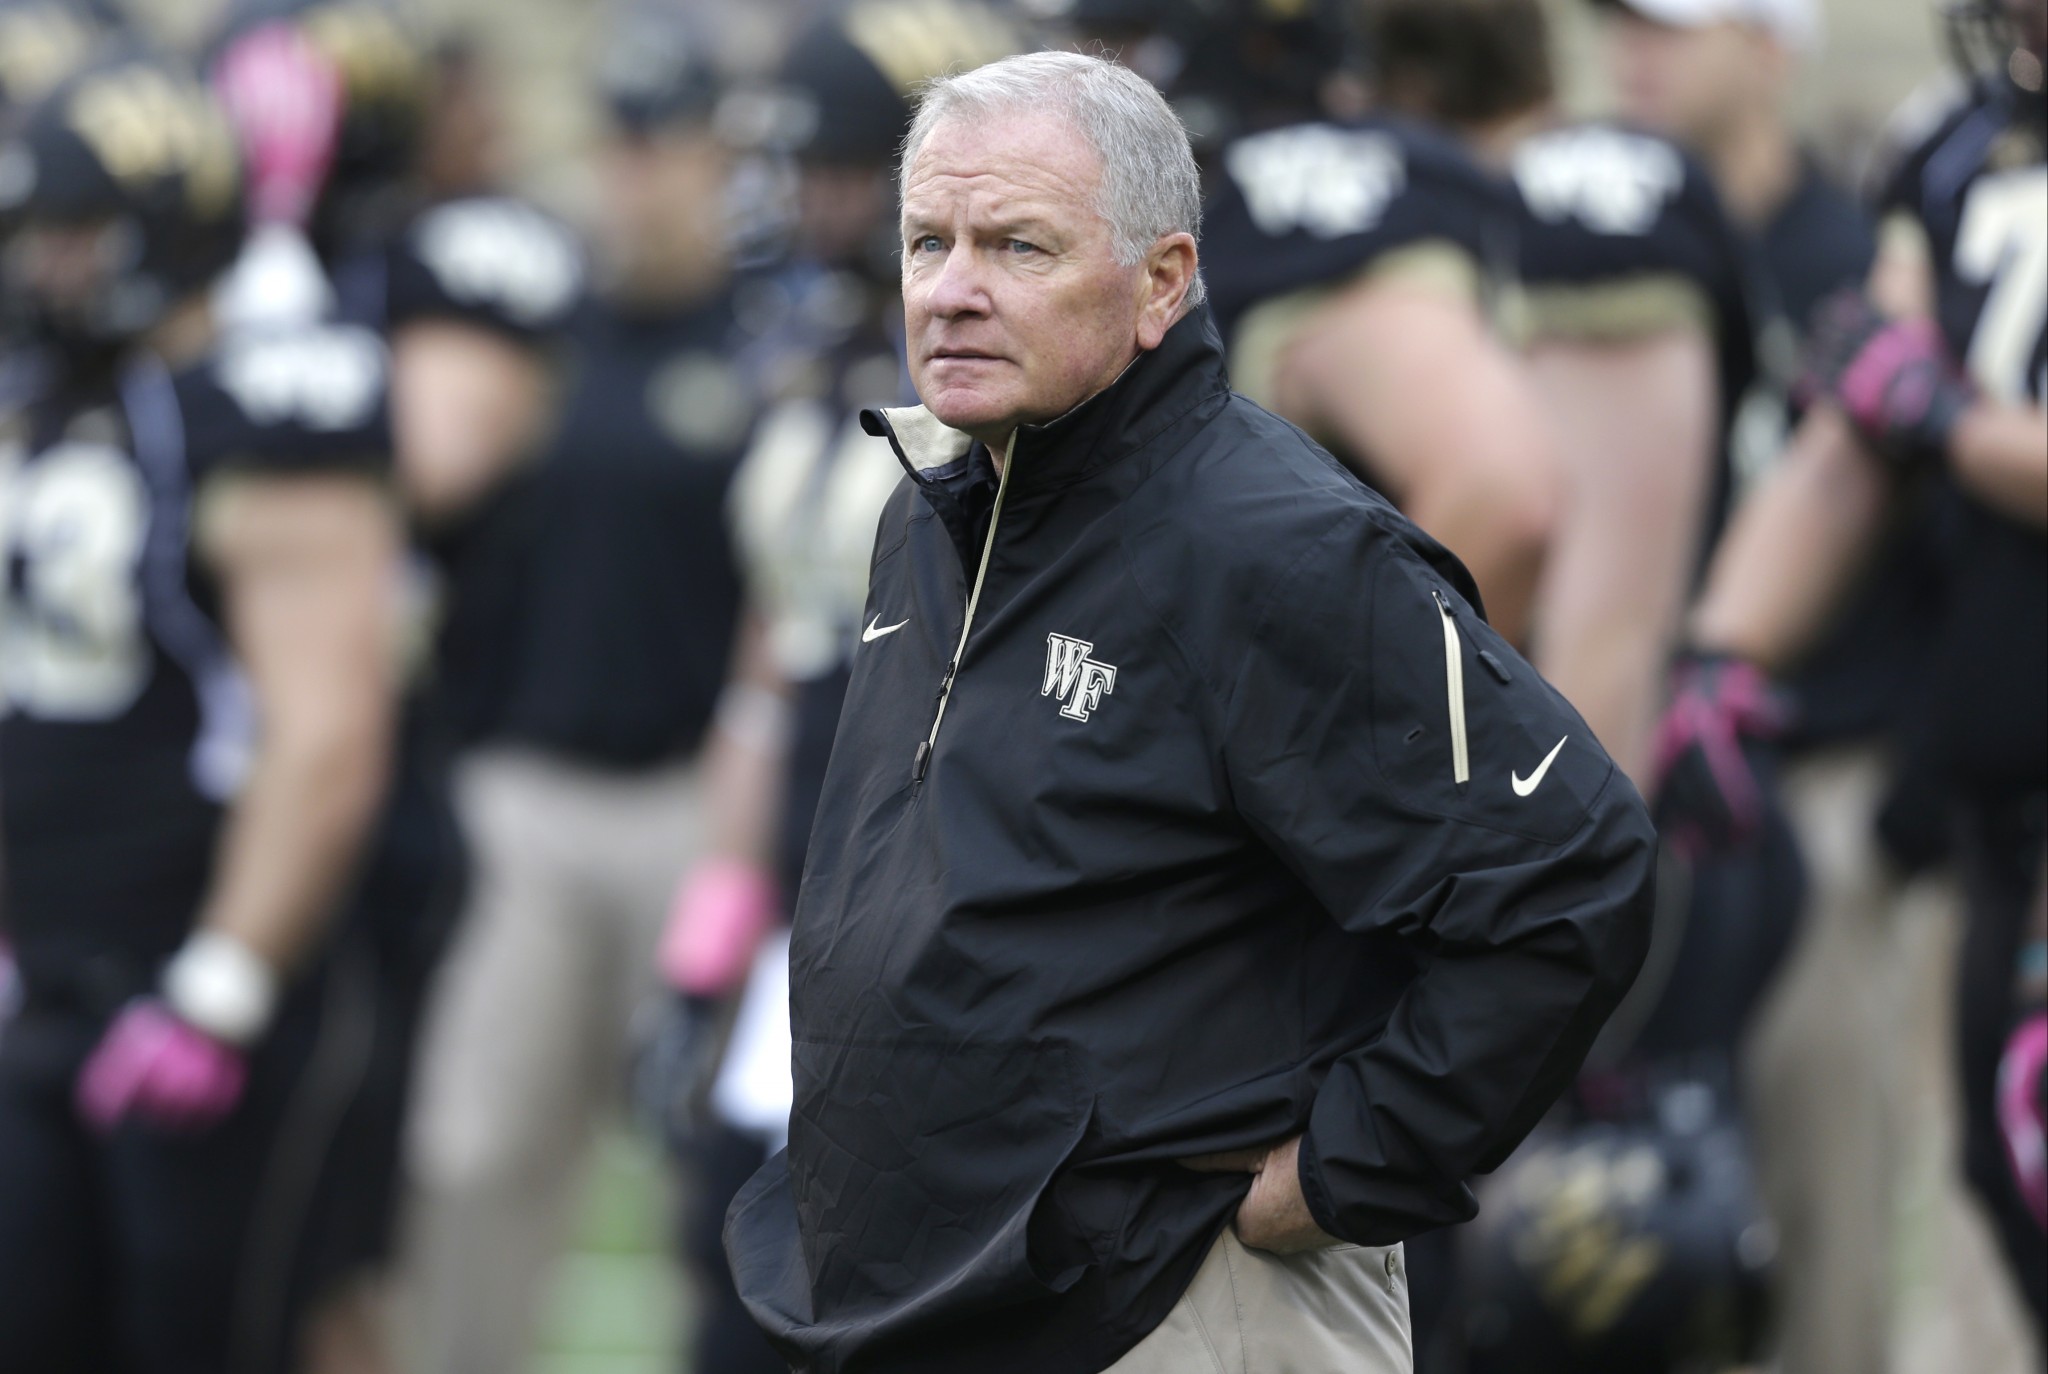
1337	1311
526	1037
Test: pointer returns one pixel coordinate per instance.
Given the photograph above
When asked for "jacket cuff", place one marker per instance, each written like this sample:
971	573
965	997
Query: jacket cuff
1314	1191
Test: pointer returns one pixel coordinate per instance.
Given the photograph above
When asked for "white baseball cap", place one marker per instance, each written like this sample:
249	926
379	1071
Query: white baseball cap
1795	23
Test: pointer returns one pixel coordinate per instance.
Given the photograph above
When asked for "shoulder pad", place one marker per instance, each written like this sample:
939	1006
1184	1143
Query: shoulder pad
303	399
1622	233
1922	122
1602	204
1313	204
1612	182
493	261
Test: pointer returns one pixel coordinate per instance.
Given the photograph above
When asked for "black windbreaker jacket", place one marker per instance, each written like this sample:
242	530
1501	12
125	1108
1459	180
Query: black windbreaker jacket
1183	801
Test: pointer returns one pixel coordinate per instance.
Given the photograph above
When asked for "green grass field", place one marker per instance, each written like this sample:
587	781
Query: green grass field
618	1304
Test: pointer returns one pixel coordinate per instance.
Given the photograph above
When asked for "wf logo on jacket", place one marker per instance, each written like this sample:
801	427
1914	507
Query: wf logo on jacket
1076	679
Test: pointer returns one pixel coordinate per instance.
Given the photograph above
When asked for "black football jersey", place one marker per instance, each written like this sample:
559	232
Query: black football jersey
1619	232
126	725
1302	211
492	261
595	603
1977	186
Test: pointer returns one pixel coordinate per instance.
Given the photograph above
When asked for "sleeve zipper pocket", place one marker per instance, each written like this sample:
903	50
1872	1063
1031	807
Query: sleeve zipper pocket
1454	684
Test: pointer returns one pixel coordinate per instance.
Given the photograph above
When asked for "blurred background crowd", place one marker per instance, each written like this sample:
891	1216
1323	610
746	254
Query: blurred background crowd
449	1064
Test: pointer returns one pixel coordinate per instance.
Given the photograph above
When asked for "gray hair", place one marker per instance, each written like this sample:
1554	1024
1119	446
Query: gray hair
1150	185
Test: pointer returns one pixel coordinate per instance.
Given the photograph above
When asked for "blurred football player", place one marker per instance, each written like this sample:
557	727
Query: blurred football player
585	652
1931	388
329	100
198	652
804	509
1631	294
1823	1062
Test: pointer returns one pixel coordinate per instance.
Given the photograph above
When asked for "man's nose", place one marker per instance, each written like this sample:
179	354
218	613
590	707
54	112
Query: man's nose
959	285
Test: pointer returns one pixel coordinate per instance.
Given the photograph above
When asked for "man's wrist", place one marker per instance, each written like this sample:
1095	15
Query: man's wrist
1308	1168
219	985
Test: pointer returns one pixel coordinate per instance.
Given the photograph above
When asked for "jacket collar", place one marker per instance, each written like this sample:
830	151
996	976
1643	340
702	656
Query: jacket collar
1157	389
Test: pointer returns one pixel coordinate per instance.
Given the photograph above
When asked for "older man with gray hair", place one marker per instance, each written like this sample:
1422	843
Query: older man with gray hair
1201	891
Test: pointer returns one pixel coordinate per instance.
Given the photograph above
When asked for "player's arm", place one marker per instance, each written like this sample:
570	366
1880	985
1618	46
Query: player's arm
728	901
1449	419
305	568
1635	422
468	405
305	565
744	755
1794	547
1999	453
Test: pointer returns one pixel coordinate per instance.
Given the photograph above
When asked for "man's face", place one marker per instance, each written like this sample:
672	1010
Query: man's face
1015	306
662	201
1688	83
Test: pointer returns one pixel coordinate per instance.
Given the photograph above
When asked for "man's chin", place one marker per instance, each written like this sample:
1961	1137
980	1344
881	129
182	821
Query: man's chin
971	413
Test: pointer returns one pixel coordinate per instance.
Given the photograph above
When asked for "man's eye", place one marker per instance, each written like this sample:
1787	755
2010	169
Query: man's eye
928	244
1019	246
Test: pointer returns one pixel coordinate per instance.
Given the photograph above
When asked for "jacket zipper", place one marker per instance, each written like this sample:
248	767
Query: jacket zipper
995	516
1454	682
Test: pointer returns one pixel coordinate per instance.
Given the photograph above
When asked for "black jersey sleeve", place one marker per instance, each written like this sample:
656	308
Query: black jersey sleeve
304	400
490	261
1913	136
1621	233
1315	205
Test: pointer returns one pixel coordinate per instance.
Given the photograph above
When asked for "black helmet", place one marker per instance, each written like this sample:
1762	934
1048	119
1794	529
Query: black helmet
41	43
655	69
134	144
382	67
1228	67
1609	1248
852	76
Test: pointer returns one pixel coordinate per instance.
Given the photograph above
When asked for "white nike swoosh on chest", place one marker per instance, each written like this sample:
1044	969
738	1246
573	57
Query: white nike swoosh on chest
1524	786
876	630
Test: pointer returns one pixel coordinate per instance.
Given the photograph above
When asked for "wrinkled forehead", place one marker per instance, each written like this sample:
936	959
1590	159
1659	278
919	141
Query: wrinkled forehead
1009	159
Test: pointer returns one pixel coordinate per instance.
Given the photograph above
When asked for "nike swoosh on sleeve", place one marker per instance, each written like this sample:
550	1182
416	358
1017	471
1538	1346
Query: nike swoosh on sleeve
873	633
1524	786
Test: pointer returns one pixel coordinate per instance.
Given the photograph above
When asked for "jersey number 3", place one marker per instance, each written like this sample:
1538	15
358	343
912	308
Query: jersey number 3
2003	243
71	642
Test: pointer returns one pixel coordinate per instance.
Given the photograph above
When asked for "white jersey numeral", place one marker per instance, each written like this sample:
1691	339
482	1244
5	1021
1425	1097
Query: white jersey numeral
2003	243
71	635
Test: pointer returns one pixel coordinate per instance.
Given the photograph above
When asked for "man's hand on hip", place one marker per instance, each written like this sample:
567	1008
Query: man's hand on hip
1274	1216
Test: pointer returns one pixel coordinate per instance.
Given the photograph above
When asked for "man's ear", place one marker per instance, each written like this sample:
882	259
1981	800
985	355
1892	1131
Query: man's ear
1169	276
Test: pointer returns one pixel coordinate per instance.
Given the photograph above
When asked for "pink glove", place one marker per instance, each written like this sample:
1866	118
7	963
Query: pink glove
2021	1111
1894	379
721	912
1704	789
154	1065
286	100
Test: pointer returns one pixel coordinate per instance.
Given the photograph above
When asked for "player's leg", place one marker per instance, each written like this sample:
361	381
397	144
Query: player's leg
217	1232
1822	1063
504	1096
53	1273
2000	857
